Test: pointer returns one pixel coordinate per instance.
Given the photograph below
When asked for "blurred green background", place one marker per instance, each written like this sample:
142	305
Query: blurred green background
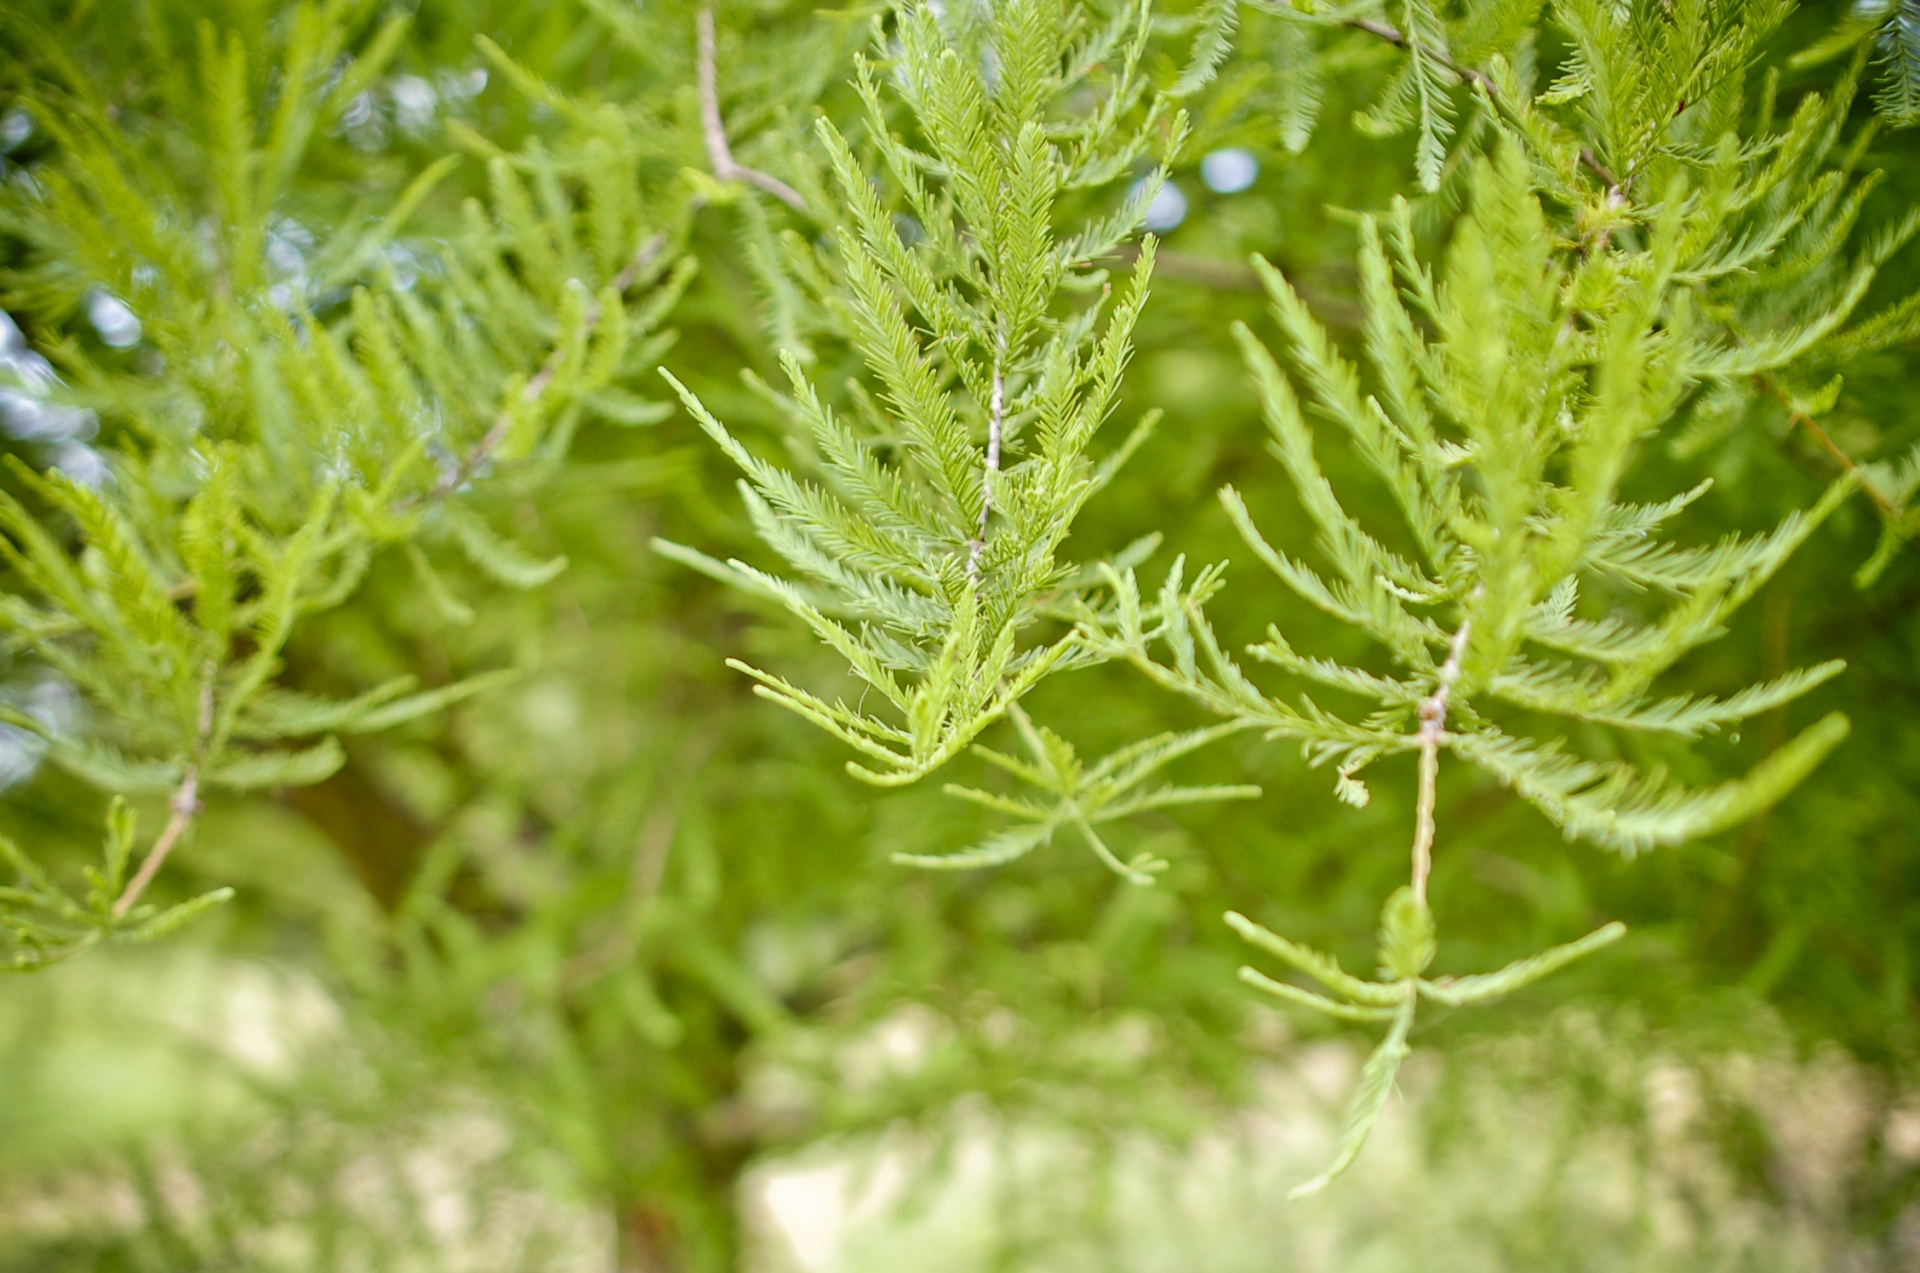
610	969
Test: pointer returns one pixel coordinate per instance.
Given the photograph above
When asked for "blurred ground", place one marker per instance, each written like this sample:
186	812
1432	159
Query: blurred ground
224	1119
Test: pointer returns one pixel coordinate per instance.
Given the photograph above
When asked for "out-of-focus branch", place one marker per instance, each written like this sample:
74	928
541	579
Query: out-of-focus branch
1224	276
646	872
470	463
719	153
1844	462
184	806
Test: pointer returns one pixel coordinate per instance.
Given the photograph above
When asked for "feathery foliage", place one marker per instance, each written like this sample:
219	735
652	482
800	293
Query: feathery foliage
1629	261
1083	797
319	304
928	546
264	452
1891	29
1504	438
1899	97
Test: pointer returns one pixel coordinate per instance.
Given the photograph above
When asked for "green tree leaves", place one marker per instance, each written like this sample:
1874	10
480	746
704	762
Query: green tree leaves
1647	256
1899	96
267	452
1472	432
1512	399
1083	797
43	924
929	543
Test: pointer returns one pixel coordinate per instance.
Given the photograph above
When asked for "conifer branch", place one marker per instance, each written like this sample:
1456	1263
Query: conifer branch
646	871
470	464
1899	39
183	807
1188	267
1481	80
962	320
719	153
1507	472
324	431
1399	39
1085	796
1600	170
1841	460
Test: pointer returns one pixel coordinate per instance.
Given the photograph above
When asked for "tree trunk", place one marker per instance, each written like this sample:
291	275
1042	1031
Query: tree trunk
647	1239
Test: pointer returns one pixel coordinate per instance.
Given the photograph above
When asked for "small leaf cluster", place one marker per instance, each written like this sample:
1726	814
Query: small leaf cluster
1890	31
45	924
1082	797
1899	96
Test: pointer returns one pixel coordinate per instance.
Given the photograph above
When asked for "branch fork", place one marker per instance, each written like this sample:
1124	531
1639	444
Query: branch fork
719	153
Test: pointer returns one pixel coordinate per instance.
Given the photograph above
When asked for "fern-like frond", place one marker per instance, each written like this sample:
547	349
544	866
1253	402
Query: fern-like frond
1505	442
1899	96
931	539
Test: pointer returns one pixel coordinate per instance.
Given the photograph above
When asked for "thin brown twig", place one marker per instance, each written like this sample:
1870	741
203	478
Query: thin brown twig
719	153
1600	170
1393	35
1224	276
184	806
1468	74
470	463
1433	729
1334	308
1844	462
